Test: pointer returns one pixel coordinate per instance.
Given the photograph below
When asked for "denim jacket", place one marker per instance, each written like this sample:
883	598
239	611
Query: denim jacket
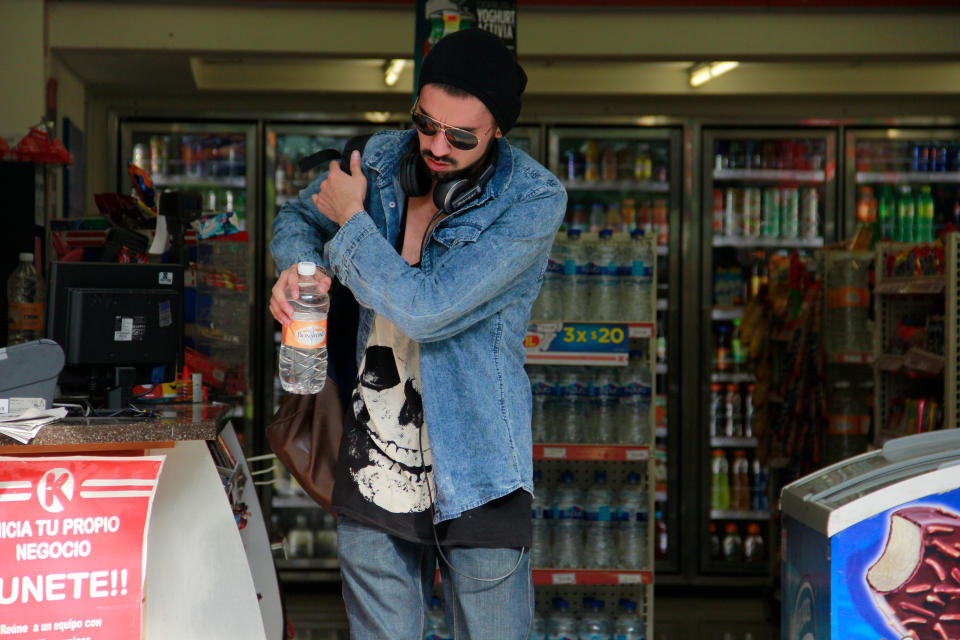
468	306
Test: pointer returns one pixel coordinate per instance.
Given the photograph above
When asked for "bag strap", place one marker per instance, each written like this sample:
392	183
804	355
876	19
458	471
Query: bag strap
325	156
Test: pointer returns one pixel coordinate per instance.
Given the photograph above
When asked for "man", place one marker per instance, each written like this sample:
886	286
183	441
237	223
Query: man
436	456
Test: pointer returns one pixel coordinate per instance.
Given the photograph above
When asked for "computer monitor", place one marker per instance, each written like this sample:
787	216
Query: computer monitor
119	325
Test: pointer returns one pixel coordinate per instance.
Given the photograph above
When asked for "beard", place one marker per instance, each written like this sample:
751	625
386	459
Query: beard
454	173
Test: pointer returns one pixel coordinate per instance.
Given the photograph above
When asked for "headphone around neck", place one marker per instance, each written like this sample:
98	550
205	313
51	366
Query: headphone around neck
449	195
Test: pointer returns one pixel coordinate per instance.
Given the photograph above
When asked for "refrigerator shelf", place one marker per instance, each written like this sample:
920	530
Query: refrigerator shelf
915	359
557	577
617	453
919	177
732	378
732	514
743	241
733	442
772	175
617	185
229	182
726	313
909	286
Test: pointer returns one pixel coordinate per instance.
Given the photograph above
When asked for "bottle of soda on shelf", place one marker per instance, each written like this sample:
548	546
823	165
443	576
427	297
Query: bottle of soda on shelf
568	523
866	206
628	625
737	356
591	161
925	215
733	410
716	549
748	411
887	214
573	165
732	543
25	294
723	359
542	516
753	547
303	354
906	215
661	537
740	499
608	164
718	412
758	495
643	163
719	481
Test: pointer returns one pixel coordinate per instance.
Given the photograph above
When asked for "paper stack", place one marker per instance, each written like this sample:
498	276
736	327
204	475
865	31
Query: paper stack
25	426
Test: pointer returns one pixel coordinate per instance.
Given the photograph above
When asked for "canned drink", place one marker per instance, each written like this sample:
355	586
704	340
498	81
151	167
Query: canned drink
751	212
790	212
733	198
771	212
810	213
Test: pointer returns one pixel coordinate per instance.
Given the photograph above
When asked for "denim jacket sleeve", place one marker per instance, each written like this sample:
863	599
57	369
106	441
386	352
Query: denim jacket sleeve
300	230
466	284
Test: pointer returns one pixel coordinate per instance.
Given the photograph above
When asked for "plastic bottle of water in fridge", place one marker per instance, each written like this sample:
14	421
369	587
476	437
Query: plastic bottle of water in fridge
594	625
303	354
604	405
574	295
636	393
604	280
632	514
436	623
544	392
542	511
636	279
568	523
628	625
600	549
561	625
549	304
539	627
25	294
573	387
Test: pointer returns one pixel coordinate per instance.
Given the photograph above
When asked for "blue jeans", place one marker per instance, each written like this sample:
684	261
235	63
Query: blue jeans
387	583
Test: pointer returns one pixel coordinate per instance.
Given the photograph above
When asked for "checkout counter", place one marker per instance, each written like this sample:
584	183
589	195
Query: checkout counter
209	569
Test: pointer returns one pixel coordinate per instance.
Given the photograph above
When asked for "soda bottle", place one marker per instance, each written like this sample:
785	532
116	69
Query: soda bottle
561	625
732	543
25	294
719	481
906	215
542	514
748	411
740	499
661	222
628	625
628	213
574	294
636	393
925	213
436	622
661	537
600	546
733	410
614	221
594	624
886	214
718	413
608	164
574	165
632	514
643	163
591	161
568	524
737	356
759	500
716	549
549	304
636	280
724	361
604	281
866	206
303	354
753	547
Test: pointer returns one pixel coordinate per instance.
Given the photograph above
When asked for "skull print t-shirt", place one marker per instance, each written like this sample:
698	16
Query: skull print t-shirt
385	470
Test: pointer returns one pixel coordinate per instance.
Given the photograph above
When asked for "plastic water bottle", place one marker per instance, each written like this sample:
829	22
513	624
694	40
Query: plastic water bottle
25	293
568	524
574	298
542	513
600	548
561	625
628	625
633	516
544	395
549	304
573	389
539	627
436	622
604	405
636	394
303	354
594	625
603	278
636	279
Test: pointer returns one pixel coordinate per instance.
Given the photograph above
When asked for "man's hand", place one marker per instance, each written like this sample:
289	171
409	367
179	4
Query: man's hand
287	282
341	194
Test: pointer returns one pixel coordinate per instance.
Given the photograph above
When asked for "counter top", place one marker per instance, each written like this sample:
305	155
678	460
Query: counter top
171	423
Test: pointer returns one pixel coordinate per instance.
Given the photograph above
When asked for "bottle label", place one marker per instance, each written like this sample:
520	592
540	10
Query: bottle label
842	297
305	335
25	316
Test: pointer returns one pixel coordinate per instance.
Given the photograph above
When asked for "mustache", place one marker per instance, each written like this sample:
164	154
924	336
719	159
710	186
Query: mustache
429	154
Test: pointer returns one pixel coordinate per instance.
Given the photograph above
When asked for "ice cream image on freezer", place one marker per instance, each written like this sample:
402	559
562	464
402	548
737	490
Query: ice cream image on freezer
916	580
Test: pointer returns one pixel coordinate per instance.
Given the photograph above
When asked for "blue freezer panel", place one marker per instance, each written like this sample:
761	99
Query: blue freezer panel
805	607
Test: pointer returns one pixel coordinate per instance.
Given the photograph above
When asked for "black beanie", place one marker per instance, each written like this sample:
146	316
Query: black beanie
477	62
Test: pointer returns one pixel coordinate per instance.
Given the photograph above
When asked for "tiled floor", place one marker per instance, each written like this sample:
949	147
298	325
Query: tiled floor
317	614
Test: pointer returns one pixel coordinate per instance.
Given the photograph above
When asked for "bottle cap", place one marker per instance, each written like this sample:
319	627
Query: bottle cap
306	268
26	257
573	233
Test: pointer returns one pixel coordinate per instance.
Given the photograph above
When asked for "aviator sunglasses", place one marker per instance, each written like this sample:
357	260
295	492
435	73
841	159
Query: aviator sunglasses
458	138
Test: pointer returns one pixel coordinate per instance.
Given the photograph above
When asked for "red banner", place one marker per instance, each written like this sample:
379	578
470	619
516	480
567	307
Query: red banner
73	546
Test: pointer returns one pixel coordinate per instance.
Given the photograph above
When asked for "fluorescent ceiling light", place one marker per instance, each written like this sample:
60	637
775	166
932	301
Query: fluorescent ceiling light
392	71
707	71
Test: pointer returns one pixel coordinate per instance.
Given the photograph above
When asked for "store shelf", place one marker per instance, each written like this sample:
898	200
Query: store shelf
617	185
911	286
772	175
726	313
732	378
733	442
915	359
920	177
566	577
616	453
641	330
850	357
733	514
230	182
744	241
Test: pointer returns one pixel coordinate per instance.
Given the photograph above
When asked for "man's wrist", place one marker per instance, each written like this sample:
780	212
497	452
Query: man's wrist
352	210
